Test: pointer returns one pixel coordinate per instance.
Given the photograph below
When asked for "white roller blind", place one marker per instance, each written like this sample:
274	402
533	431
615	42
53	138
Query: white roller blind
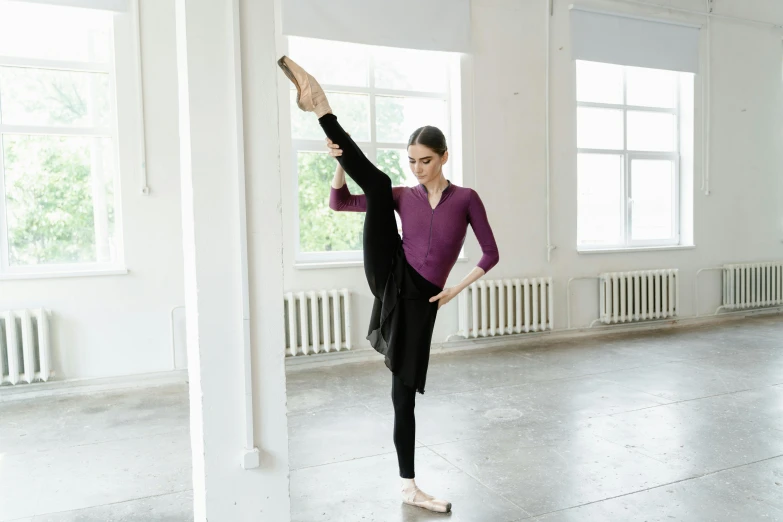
627	40
432	25
102	5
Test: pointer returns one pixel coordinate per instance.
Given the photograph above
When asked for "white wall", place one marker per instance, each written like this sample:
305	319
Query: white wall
119	325
739	221
116	325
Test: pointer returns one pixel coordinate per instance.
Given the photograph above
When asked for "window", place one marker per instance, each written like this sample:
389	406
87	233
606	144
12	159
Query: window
381	95
59	150
631	129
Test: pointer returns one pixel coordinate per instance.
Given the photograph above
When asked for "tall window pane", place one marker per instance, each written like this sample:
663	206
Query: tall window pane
58	139
651	87
628	135
381	95
333	63
398	117
600	212
353	110
59	199
29	30
652	131
409	70
599	128
320	228
599	82
652	193
58	98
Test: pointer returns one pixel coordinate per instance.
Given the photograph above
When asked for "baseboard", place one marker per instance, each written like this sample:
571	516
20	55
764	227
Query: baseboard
320	360
89	386
453	345
600	331
367	354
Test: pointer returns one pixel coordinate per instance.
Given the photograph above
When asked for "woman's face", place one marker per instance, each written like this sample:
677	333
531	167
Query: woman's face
425	163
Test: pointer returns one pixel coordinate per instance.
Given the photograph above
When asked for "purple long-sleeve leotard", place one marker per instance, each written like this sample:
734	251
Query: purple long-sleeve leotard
433	238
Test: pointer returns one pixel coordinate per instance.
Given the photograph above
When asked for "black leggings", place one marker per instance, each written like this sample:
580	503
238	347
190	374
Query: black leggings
381	238
381	241
404	400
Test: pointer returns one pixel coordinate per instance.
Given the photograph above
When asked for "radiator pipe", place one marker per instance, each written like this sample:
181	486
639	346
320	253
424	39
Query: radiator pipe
135	21
707	104
548	26
250	453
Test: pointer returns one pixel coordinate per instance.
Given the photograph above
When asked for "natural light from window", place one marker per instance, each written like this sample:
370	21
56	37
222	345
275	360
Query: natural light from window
58	138
628	160
381	95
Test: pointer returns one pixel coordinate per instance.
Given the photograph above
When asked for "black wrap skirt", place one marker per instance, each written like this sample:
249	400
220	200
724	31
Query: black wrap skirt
402	322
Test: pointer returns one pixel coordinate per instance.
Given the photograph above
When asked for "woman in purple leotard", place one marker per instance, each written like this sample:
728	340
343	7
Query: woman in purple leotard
407	275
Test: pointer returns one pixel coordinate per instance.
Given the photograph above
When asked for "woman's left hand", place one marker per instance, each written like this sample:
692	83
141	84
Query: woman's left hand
445	296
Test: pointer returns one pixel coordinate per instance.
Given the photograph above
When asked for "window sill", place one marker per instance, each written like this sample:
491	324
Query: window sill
634	249
62	274
321	265
318	265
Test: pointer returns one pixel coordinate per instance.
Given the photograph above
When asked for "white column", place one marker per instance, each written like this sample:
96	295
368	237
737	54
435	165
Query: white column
260	29
225	420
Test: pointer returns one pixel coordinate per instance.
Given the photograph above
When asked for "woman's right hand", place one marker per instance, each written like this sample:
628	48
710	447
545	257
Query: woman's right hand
334	149
339	174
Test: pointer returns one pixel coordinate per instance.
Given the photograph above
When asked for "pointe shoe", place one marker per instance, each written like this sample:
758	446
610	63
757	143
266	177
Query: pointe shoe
310	97
437	500
416	497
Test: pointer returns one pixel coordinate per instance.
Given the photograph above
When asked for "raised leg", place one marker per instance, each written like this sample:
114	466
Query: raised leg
381	239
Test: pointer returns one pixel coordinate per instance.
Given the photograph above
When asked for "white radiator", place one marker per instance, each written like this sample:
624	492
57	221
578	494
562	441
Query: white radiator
752	285
25	354
639	296
317	321
489	308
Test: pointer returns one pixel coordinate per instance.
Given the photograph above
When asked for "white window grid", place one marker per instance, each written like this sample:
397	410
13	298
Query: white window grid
370	148
64	130
628	157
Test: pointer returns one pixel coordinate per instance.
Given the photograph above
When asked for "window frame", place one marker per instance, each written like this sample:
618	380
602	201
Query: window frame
370	148
125	130
628	156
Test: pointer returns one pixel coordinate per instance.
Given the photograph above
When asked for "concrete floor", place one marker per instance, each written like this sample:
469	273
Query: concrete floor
119	456
673	425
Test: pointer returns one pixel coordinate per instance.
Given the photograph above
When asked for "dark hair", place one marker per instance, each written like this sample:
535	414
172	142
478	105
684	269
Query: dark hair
430	137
